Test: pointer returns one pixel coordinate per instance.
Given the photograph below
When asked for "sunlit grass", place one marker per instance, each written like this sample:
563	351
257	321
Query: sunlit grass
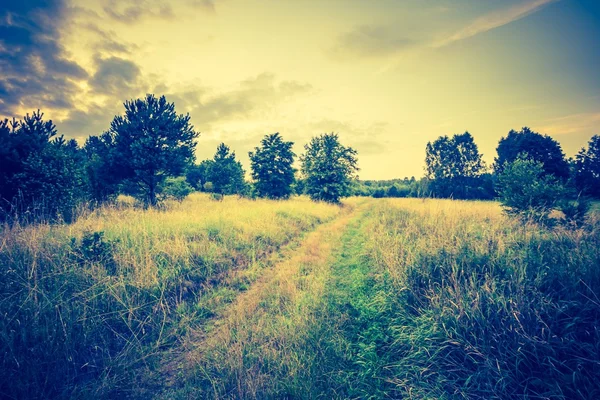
409	298
398	298
85	304
487	307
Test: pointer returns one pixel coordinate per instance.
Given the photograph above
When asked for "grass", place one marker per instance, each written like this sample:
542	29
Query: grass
394	298
487	308
84	305
259	349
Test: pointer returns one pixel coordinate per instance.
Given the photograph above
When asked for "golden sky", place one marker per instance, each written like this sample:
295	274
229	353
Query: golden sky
387	75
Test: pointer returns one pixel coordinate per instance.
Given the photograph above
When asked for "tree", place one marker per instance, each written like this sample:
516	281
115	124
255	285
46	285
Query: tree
41	175
151	142
454	166
197	175
272	169
226	173
329	168
527	191
587	168
102	174
540	148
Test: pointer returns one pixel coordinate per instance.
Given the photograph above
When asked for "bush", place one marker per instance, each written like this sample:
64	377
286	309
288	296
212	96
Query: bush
526	192
176	188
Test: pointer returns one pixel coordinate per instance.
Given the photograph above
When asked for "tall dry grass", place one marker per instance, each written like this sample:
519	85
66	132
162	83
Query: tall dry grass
84	305
261	349
484	307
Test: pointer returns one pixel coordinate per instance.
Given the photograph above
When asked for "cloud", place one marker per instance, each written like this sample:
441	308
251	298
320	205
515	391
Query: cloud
115	76
36	69
129	11
494	20
207	5
252	95
115	80
366	139
582	123
370	41
107	40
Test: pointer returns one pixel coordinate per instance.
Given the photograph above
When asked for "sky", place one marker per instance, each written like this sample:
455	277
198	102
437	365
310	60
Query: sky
388	76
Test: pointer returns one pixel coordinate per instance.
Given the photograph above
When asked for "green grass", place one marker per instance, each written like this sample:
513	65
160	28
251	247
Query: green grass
403	298
90	309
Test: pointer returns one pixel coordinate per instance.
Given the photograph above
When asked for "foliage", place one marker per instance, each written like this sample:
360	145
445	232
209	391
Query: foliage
197	175
225	173
299	186
176	188
540	148
102	171
328	168
455	168
42	176
526	191
272	168
575	211
150	142
587	168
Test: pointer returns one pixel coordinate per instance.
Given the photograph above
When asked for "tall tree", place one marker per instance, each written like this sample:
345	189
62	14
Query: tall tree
151	142
454	166
272	169
226	173
587	168
537	147
328	168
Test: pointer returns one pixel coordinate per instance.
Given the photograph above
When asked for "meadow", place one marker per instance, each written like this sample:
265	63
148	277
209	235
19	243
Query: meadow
378	298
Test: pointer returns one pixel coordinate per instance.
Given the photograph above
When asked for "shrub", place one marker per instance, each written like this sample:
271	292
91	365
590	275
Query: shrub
526	192
176	188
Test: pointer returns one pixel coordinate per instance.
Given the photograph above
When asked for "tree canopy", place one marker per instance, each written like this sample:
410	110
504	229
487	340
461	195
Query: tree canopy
329	168
226	173
42	175
587	168
455	167
151	142
197	175
540	148
272	168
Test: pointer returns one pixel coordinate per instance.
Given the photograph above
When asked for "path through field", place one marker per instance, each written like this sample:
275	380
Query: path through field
270	340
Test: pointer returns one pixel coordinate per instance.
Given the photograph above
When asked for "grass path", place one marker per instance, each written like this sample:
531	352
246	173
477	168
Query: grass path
263	342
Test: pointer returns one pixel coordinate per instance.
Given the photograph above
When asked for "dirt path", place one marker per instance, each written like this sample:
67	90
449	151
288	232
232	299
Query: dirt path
266	323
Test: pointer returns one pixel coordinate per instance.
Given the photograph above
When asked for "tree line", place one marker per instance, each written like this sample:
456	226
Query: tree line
149	153
454	168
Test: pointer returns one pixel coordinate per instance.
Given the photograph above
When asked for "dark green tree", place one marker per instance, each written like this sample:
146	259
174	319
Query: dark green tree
329	168
272	169
226	173
103	176
540	148
197	175
454	166
587	168
42	176
151	143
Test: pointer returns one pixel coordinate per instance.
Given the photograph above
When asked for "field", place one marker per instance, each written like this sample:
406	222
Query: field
378	298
